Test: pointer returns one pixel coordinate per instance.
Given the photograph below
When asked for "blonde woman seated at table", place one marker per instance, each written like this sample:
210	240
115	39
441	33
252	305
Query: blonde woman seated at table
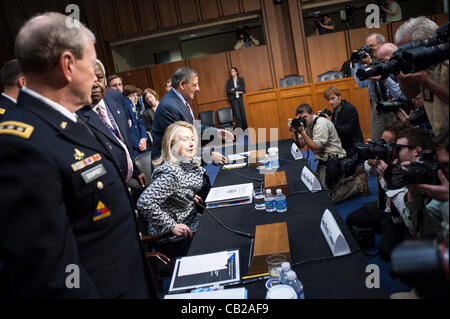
177	178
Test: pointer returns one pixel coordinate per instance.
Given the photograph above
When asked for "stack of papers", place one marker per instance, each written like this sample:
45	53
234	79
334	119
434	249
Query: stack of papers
230	195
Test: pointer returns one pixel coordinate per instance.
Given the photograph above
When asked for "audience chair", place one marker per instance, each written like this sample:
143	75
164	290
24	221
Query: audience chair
207	118
144	164
292	80
225	117
330	75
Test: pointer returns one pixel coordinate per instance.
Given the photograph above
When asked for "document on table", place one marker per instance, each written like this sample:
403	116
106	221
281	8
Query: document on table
230	193
203	263
205	270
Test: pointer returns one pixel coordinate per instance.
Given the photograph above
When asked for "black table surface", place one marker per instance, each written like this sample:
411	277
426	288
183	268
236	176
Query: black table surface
322	275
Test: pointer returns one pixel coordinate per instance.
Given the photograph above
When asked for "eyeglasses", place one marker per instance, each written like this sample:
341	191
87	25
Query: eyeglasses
194	85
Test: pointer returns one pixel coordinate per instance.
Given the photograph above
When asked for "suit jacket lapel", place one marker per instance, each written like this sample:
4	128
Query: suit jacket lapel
121	119
183	108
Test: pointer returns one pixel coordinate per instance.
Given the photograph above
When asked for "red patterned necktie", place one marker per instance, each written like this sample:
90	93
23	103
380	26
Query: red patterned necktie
190	110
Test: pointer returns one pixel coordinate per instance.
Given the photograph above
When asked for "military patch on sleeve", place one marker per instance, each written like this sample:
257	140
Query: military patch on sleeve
16	128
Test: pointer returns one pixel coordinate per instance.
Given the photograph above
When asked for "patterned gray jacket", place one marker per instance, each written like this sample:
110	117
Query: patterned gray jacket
165	202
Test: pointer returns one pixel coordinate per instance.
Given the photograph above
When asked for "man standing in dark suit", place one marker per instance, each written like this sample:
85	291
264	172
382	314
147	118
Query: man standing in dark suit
345	118
67	224
108	117
12	80
174	106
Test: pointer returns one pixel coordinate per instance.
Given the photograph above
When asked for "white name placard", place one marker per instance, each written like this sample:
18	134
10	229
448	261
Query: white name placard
310	180
333	235
295	151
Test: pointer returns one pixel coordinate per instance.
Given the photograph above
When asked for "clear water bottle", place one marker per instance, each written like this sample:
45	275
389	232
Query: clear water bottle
270	202
267	163
273	156
292	280
280	202
285	267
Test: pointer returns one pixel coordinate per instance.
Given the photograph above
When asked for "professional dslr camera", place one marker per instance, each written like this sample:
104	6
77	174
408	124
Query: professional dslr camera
411	57
244	31
424	171
418	115
424	265
296	122
317	21
361	54
325	112
376	149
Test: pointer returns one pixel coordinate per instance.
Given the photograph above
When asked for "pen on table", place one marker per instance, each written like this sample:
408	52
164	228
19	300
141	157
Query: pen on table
255	276
248	281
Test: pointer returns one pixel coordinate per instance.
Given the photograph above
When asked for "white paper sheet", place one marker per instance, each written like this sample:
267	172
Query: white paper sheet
203	263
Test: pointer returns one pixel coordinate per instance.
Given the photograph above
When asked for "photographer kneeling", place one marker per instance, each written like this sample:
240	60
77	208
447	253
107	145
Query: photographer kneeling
322	138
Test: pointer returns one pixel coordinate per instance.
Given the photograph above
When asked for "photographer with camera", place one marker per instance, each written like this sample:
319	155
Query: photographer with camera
392	10
389	214
245	39
431	82
380	88
320	135
324	25
345	119
431	200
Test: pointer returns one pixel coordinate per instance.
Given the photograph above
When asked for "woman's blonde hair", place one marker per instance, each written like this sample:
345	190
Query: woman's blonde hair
169	139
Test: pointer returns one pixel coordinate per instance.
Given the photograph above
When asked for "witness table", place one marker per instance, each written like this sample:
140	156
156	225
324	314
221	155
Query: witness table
322	275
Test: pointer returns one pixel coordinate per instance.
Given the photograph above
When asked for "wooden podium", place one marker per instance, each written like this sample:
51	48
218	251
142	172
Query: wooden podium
269	239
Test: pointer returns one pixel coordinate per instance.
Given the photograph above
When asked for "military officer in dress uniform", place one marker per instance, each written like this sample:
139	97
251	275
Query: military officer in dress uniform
67	224
12	80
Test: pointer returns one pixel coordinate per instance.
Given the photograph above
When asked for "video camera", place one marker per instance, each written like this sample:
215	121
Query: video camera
411	57
424	171
296	122
376	149
361	54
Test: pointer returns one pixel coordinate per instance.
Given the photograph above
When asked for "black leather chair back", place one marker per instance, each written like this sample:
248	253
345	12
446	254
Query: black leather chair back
207	118
292	80
144	164
225	117
330	75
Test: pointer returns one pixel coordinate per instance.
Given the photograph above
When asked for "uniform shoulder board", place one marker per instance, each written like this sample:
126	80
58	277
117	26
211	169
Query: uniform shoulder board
16	128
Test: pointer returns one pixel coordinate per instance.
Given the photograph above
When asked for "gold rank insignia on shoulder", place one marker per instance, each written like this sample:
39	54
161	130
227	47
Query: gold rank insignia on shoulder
17	129
78	155
2	111
86	162
63	125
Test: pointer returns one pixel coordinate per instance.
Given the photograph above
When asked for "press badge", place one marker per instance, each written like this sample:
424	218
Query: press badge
93	173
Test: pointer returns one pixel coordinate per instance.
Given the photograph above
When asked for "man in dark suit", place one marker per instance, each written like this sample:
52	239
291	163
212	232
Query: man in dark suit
174	106
12	80
67	225
345	118
108	117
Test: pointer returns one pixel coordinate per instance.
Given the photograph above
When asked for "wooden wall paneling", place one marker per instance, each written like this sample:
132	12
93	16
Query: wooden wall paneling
326	53
209	9
213	74
261	111
148	17
358	36
126	17
289	99
229	7
299	40
441	18
360	99
108	21
160	73
167	13
251	5
286	39
393	29
254	67
52	5
189	12
138	77
273	31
